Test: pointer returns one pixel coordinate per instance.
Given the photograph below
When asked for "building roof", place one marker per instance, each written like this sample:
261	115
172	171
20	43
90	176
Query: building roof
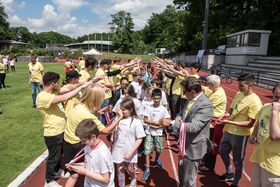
12	42
91	42
251	31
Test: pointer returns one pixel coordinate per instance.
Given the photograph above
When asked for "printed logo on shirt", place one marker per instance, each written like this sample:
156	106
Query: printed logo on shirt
262	127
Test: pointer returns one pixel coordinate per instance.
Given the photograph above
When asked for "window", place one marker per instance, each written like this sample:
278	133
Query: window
243	39
232	41
254	39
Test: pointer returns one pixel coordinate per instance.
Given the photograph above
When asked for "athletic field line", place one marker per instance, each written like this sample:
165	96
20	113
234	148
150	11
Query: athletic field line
243	171
172	160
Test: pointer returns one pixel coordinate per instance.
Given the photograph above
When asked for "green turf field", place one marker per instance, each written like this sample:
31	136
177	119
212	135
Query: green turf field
21	132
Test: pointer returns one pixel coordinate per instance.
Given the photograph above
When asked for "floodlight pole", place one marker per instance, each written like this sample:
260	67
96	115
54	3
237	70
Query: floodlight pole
88	41
205	24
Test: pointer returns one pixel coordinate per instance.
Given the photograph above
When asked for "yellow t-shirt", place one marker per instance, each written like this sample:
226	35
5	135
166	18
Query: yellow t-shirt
84	76
54	119
100	72
77	115
167	84
82	64
243	108
115	79
69	105
177	87
218	100
195	76
267	152
36	71
2	68
129	73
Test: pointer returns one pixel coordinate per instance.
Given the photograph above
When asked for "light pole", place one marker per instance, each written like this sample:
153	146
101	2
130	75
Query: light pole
205	24
88	40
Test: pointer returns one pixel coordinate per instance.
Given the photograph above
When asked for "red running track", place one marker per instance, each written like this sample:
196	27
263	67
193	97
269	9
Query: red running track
168	177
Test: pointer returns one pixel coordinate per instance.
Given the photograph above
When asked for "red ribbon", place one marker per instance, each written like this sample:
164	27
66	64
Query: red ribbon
182	139
78	156
107	118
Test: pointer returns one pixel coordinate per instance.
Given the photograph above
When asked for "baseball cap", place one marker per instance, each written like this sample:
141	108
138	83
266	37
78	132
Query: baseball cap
105	61
72	74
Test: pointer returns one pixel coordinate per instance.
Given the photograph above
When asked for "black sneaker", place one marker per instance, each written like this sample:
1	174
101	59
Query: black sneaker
226	177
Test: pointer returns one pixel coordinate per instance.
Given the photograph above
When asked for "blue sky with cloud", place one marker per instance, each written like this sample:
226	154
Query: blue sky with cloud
77	17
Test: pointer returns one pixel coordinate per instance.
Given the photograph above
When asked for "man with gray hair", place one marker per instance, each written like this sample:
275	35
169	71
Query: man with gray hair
217	97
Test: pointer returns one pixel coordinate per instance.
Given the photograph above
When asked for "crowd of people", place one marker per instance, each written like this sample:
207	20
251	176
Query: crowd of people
7	63
134	104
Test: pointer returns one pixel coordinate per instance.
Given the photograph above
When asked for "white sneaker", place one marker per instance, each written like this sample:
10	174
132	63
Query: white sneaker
62	174
52	184
65	175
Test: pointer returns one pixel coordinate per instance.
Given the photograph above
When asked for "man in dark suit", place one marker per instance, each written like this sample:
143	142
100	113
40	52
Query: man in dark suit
194	120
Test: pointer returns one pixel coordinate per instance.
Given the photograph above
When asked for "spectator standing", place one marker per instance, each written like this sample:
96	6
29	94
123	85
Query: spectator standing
54	122
243	110
266	140
12	64
2	75
36	72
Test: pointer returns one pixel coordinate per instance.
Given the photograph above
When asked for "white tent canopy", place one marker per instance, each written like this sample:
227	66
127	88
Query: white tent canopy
92	52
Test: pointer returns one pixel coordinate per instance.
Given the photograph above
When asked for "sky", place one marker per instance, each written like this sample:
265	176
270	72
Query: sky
78	17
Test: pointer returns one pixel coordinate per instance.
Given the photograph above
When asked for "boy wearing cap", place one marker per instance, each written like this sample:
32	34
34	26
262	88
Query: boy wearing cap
71	82
90	64
82	63
105	66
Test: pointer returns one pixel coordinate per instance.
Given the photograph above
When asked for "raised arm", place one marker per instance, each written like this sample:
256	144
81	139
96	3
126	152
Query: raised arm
64	97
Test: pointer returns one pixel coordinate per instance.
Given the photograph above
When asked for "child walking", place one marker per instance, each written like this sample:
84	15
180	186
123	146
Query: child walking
128	137
98	167
156	117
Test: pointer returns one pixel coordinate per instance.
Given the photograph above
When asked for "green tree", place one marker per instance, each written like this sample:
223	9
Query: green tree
4	25
229	16
165	30
20	34
53	38
122	26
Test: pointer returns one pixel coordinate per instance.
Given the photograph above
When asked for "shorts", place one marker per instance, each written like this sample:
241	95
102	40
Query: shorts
153	141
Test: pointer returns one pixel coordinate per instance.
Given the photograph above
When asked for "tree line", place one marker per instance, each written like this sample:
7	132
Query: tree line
178	27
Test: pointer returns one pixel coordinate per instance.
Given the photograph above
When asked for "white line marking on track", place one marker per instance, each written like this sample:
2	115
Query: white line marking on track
244	172
172	160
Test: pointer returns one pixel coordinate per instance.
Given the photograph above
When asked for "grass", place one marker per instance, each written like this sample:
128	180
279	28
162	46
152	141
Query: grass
21	132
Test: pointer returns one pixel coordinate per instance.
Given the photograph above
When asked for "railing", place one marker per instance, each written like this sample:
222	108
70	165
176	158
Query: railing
264	78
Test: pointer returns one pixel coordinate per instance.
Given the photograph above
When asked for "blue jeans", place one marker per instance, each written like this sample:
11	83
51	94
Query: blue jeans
35	85
102	117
